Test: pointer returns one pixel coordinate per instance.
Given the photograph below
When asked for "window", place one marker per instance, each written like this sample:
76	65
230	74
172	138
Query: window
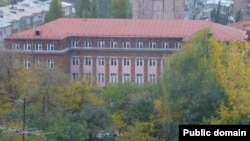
100	77
15	46
165	45
100	44
75	61
88	44
88	61
178	45
27	46
126	77
152	44
50	63
50	47
27	63
38	47
139	44
126	61
152	62
16	63
152	78
88	76
113	44
139	61
113	61
126	44
38	63
75	76
74	43
139	78
113	78
101	61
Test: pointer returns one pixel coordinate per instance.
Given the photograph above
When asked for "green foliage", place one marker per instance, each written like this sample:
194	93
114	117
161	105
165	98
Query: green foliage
219	16
238	16
55	11
120	9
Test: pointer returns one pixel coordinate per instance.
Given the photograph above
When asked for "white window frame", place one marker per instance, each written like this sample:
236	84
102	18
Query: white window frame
152	78
101	61
50	63
152	62
100	77
16	63
126	44
178	45
101	44
126	61
139	79
38	63
75	61
139	61
27	63
165	45
113	44
113	61
27	46
88	44
153	44
75	76
74	43
50	47
15	46
88	61
113	78
126	77
38	46
139	44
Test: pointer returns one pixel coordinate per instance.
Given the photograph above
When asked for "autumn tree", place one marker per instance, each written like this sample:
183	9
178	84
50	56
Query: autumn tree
55	11
120	9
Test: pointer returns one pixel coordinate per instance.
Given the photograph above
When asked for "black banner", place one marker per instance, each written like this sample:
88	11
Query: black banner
198	132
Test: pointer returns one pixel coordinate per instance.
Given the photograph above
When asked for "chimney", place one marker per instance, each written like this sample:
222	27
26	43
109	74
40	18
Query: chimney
37	32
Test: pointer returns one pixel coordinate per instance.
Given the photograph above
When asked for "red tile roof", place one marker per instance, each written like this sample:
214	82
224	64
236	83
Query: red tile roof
64	27
243	25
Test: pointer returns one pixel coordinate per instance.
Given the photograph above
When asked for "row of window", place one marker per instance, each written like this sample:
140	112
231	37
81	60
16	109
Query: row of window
127	44
38	47
37	63
113	78
139	61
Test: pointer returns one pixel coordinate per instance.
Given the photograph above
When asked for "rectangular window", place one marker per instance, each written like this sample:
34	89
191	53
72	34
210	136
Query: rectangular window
101	61
126	61
139	78
152	62
139	61
75	76
50	63
16	63
113	78
113	61
126	44
15	46
152	44
75	61
113	44
178	45
88	61
88	44
88	76
100	44
38	63
139	44
38	47
152	78
126	77
27	47
100	77
27	63
74	43
50	47
165	45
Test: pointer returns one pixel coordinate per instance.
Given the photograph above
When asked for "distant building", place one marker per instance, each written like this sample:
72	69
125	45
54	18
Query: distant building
108	50
243	6
5	30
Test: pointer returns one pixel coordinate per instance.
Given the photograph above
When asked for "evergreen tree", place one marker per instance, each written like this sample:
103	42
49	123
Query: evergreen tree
120	9
238	16
219	16
55	11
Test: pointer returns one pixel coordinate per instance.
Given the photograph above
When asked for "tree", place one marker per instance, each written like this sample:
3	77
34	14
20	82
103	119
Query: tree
55	11
220	16
83	8
238	16
120	9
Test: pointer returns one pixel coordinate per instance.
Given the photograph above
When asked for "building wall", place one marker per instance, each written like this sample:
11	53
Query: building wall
81	61
242	5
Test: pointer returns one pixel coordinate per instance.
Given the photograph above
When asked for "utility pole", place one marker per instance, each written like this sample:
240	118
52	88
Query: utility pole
24	119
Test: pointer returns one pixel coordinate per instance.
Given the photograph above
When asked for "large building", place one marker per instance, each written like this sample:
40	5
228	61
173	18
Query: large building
108	50
243	6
